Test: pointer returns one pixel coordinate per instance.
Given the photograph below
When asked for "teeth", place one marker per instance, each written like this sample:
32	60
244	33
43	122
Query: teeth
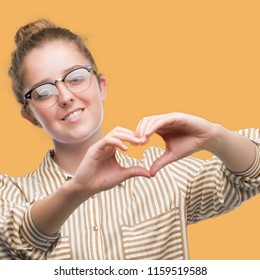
73	115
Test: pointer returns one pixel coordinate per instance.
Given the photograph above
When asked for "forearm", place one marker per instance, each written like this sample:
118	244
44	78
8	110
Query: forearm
237	152
52	212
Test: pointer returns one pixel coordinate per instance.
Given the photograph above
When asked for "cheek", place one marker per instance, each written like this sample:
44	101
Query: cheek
44	117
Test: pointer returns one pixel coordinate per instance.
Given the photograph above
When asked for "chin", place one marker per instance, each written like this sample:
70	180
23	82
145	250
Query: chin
81	136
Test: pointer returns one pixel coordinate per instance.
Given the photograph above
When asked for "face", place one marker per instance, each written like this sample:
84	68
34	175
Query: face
74	118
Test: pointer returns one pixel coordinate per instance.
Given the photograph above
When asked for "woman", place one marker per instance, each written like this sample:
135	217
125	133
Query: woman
87	200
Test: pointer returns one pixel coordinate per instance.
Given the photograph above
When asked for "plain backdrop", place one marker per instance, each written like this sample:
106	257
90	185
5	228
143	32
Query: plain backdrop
199	57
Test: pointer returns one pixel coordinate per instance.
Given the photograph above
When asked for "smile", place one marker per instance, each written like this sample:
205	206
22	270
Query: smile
73	115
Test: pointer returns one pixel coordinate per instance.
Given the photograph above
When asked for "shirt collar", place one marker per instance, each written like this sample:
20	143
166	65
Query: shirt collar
49	163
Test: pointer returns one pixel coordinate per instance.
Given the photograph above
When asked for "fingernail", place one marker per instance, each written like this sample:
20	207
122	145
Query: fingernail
125	147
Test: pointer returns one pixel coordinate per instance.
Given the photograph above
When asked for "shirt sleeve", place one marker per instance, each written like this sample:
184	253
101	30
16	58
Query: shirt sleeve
19	237
214	190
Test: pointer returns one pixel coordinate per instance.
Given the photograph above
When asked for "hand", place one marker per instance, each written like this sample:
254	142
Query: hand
100	170
183	135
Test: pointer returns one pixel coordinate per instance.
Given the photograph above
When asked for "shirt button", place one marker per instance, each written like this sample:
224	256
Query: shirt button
95	228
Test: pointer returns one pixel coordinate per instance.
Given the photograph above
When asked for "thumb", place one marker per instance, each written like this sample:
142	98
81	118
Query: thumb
162	161
134	171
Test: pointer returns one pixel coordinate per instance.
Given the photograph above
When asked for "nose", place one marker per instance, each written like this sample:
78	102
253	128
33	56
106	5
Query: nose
65	96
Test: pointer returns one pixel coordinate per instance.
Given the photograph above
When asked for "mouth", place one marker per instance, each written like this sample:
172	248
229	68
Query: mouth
73	115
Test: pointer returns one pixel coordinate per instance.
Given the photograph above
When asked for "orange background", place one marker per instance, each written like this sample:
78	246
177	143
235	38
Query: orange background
200	57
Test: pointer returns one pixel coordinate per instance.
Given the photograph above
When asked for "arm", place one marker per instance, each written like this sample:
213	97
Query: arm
212	186
222	190
237	152
18	240
30	224
99	171
185	134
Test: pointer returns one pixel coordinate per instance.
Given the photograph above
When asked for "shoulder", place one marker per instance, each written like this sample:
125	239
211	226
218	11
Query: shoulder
10	183
252	133
10	189
6	179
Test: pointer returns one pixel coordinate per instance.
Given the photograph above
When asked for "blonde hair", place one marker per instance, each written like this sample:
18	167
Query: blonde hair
33	35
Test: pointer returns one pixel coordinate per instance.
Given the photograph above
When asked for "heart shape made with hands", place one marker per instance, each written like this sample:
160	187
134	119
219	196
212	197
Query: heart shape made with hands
144	147
181	134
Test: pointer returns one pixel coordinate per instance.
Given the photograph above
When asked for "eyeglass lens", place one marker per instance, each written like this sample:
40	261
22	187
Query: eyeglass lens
46	95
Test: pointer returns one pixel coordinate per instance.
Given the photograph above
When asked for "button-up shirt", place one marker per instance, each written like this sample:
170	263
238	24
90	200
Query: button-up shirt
138	219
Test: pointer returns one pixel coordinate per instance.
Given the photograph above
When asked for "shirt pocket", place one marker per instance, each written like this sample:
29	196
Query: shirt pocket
157	238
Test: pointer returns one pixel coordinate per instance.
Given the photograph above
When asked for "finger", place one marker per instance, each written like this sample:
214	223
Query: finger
141	127
149	125
123	130
161	162
152	126
126	137
163	121
109	141
134	171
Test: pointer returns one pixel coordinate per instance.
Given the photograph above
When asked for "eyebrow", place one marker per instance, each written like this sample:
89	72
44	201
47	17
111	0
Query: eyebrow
65	71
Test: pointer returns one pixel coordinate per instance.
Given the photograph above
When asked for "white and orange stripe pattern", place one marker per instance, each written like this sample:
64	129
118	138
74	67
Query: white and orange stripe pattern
138	219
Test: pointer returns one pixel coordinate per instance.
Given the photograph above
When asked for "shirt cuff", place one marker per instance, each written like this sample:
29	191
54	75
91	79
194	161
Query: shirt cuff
254	170
33	236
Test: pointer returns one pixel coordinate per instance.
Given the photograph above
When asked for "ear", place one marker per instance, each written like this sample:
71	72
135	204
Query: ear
29	117
103	87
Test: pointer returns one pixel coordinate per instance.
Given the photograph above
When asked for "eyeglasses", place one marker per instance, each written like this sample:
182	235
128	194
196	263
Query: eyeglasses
46	95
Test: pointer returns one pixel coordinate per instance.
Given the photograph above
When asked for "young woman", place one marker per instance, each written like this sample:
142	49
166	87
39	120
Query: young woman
88	200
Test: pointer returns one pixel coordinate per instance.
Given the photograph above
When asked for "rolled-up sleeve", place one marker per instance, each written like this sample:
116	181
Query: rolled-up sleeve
214	190
19	237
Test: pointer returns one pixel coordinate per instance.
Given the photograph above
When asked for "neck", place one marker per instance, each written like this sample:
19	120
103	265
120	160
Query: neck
69	156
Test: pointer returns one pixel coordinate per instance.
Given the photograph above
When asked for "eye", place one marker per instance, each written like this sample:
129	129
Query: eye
44	92
40	95
75	80
77	77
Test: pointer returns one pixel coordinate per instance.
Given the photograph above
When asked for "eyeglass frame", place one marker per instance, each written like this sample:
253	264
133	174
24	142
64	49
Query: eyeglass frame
28	95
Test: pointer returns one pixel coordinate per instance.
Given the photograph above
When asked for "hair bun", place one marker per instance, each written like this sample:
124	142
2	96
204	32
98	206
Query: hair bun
26	31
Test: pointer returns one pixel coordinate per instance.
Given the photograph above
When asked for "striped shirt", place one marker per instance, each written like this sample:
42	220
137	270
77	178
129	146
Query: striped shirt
138	219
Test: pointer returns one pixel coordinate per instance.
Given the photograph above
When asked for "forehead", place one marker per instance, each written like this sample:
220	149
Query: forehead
51	60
